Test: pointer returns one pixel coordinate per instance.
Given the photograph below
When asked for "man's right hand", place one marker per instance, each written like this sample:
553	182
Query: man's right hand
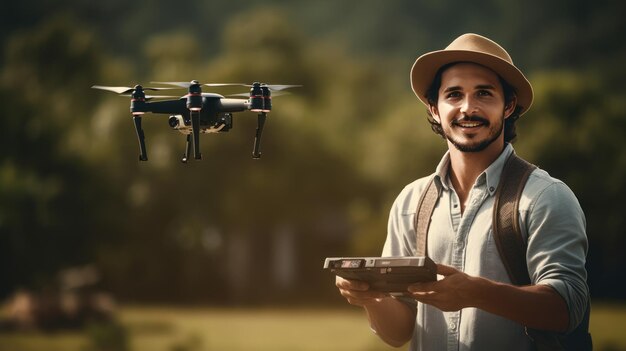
357	293
393	321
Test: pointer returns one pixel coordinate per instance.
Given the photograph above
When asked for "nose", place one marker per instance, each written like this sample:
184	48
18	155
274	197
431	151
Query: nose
468	106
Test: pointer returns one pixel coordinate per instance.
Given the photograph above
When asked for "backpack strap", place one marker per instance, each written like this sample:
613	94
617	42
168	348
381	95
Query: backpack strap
423	213
512	248
506	230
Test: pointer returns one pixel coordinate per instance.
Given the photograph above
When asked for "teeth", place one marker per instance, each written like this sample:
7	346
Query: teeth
469	125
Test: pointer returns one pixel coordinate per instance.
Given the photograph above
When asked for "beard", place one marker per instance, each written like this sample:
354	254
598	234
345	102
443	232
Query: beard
474	145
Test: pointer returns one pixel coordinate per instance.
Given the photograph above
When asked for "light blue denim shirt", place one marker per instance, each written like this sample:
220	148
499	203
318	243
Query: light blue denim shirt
554	226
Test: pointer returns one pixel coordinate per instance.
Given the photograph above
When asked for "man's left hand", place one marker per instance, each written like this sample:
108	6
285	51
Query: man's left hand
451	293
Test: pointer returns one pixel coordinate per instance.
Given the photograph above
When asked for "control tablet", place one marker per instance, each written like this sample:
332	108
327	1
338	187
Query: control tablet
385	274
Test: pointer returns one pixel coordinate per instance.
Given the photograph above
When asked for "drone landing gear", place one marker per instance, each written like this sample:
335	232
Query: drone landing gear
193	137
143	156
256	153
187	149
195	125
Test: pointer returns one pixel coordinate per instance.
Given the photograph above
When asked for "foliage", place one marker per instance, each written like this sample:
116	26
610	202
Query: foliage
335	153
583	114
44	224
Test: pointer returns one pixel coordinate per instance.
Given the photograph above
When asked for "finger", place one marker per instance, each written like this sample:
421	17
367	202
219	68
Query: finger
420	287
342	283
361	300
362	295
426	297
446	270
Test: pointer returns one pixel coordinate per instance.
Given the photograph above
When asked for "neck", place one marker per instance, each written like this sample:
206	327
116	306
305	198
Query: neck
465	167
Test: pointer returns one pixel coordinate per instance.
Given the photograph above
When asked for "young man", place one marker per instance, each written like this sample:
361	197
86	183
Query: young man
474	95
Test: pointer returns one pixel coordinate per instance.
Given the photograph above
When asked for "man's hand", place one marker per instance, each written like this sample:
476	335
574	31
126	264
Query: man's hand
393	321
451	293
357	293
536	306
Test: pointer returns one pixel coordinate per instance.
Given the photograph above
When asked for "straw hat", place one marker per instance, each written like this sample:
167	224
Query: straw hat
477	49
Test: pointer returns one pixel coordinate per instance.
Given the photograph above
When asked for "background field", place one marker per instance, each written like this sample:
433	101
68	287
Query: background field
207	329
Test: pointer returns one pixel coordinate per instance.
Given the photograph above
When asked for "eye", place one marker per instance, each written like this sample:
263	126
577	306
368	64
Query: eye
453	94
484	93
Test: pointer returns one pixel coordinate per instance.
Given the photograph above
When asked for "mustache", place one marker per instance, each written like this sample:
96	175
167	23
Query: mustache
479	119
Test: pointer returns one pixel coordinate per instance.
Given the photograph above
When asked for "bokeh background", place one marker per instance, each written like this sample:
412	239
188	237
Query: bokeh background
164	246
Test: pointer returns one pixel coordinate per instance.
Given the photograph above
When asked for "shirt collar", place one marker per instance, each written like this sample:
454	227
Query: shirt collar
493	172
441	173
491	175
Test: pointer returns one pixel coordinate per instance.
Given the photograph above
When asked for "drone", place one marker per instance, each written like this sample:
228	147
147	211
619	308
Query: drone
198	112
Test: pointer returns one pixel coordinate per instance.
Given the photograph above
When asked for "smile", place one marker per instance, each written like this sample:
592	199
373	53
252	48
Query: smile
469	124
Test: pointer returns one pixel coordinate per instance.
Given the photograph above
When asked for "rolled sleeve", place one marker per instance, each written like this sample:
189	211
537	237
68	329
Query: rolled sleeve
557	247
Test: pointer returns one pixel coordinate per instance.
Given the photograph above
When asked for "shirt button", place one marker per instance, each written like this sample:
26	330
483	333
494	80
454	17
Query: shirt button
491	188
452	326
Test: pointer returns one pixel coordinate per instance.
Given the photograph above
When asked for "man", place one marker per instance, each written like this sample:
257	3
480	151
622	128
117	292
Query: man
474	95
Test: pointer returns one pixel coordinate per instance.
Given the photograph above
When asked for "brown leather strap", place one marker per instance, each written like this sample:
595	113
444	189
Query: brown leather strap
423	214
506	231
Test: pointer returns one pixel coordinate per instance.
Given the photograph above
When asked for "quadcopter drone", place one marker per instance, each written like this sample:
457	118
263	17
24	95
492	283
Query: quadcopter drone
198	112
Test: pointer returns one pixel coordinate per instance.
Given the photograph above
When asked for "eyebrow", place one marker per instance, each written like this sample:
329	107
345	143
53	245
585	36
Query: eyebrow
485	87
454	88
478	87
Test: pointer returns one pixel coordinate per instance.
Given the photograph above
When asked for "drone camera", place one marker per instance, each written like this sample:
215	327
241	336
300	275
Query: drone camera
227	121
173	121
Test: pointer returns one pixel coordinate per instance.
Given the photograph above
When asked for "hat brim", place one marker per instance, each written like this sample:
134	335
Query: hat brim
426	66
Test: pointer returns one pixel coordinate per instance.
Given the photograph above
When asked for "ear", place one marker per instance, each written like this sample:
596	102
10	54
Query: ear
434	112
510	107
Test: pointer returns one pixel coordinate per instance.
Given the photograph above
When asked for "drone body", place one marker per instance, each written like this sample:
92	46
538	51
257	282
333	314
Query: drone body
198	112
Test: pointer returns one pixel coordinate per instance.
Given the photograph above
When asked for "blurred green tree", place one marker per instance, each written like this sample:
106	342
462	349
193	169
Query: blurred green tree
48	207
575	130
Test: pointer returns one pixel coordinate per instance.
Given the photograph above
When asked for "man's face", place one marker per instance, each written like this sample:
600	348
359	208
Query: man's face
470	107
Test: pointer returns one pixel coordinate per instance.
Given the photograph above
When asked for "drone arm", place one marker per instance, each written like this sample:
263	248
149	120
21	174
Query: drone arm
170	107
143	156
233	105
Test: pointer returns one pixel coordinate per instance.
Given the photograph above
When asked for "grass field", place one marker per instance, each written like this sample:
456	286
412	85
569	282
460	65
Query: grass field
207	329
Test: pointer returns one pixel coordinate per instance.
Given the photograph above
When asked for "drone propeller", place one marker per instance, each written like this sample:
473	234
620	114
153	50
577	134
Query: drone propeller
127	90
185	85
277	93
150	97
278	87
224	84
272	87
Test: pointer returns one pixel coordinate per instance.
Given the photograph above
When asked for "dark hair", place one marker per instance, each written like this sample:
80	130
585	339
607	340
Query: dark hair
432	95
